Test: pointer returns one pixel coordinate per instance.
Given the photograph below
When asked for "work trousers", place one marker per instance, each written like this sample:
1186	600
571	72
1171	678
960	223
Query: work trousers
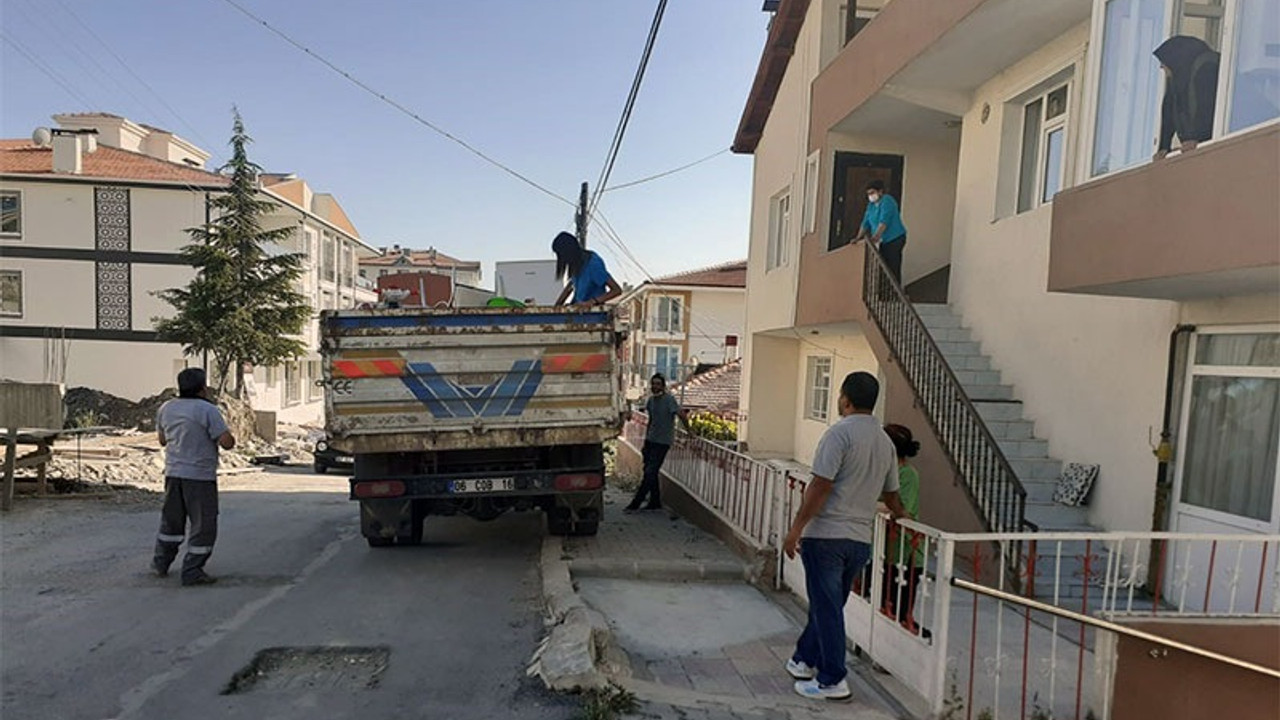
187	500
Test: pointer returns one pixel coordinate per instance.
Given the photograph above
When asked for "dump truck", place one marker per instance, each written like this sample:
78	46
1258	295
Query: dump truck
472	411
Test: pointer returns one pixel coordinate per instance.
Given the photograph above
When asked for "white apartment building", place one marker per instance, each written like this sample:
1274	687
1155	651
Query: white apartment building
92	225
1084	297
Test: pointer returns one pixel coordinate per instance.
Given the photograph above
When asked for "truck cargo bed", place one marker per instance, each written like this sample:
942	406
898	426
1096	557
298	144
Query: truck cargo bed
419	379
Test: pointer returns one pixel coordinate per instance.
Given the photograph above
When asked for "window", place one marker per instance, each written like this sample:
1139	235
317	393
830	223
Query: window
810	211
348	265
779	230
1044	129
10	213
309	246
328	258
858	13
292	384
273	377
11	293
667	315
1254	65
314	376
1232	427
1201	19
1129	85
817	388
326	301
666	360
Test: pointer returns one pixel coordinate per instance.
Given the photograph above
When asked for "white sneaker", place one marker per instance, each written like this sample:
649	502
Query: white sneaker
812	690
800	670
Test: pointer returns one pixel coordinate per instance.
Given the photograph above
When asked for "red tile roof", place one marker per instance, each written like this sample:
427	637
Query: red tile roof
22	157
430	258
731	274
714	391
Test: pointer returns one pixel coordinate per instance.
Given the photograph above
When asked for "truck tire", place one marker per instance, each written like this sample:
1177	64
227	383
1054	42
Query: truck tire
586	528
380	542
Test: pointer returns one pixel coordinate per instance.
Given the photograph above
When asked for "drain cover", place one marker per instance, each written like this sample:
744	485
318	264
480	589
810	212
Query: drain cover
311	668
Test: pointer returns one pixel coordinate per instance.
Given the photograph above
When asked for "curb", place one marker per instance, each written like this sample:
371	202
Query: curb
662	570
579	643
788	709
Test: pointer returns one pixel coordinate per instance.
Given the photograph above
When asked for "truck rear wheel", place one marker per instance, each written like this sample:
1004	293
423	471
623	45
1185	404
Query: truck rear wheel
378	542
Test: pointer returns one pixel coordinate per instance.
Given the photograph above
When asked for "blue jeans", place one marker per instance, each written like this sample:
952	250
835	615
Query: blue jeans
830	567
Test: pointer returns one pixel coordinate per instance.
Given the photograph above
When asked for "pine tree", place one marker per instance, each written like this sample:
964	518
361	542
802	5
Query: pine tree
243	306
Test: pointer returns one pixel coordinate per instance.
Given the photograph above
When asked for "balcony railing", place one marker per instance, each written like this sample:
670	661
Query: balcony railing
985	472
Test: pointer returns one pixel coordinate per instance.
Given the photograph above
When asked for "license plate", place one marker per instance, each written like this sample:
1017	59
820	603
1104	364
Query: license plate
346	459
481	485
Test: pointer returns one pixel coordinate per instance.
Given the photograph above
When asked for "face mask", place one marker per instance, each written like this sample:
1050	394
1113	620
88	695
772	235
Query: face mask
873	199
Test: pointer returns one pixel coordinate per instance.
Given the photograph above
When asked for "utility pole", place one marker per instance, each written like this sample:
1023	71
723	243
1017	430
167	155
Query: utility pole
580	217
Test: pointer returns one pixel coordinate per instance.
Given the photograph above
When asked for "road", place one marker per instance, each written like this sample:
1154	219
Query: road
87	632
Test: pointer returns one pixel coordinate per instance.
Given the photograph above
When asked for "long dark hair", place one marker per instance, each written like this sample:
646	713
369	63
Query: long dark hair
903	442
570	257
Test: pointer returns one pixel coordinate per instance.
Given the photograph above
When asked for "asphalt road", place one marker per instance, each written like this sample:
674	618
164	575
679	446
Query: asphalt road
87	632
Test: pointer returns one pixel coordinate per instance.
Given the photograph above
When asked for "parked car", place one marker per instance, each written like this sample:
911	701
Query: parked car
330	458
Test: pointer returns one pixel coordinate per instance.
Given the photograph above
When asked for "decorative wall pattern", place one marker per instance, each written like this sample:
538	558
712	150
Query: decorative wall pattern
112	231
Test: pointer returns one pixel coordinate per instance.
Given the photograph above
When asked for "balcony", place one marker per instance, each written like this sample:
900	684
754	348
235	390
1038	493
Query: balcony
1195	226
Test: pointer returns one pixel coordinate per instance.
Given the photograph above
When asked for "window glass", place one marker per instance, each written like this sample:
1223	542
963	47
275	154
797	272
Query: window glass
1056	103
1239	350
11	293
817	388
10	213
1053	164
1232	435
1129	84
1030	156
1255	80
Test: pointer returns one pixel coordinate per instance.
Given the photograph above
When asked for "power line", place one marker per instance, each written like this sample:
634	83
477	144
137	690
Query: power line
672	171
621	131
398	106
49	72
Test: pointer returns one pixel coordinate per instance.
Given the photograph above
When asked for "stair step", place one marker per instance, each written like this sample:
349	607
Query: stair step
933	309
969	378
940	322
1052	516
1025	449
989	392
1012	430
941	335
953	350
1036	468
999	411
1039	490
970	362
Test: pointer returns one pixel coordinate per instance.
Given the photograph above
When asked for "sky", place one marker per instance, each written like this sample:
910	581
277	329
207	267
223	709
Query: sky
538	86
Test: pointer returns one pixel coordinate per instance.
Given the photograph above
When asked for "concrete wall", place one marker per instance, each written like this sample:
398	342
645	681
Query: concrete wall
849	352
713	314
128	369
1069	357
770	427
30	405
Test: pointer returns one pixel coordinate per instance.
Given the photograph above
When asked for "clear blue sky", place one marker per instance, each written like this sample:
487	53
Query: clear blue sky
537	85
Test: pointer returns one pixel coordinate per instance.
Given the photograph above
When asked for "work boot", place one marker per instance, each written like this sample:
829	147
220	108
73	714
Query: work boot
202	578
160	568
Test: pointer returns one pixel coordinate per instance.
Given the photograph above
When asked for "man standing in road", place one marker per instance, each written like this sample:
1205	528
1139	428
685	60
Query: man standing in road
855	465
191	430
662	409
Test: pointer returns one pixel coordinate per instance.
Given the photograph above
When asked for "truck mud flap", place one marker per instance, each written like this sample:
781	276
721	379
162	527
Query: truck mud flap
385	521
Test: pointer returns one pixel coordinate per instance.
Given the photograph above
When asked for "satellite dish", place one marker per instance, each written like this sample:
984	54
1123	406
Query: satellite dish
42	137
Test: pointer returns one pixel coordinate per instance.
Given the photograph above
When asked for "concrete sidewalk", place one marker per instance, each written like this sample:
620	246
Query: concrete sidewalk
698	640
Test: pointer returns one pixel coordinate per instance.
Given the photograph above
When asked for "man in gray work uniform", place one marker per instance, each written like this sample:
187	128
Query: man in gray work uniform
191	430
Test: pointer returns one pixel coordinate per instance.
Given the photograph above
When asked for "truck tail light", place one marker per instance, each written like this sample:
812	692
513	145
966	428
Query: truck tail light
379	489
579	481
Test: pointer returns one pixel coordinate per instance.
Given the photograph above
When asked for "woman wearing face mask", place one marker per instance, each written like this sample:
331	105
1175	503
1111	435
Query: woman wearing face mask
882	225
1191	89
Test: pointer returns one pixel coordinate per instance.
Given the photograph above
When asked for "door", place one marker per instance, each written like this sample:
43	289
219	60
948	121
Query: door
1228	454
849	197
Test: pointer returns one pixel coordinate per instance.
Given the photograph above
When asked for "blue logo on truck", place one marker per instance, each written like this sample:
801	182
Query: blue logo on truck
506	397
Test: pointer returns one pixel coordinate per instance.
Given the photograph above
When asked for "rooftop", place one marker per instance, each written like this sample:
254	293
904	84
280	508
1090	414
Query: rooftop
715	391
429	258
24	157
727	275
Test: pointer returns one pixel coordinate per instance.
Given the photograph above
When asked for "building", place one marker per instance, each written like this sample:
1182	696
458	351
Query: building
399	260
716	391
93	222
1087	297
683	322
532	282
431	290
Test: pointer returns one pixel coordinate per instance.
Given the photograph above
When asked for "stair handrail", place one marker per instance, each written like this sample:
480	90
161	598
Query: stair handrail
904	330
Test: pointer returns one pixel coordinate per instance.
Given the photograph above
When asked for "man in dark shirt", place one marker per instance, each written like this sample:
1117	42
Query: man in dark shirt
662	409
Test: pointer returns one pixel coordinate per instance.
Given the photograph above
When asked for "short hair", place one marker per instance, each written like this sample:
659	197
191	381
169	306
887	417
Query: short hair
877	185
861	389
659	376
190	382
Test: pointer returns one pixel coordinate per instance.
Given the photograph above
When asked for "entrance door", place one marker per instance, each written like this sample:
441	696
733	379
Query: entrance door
849	196
1229	451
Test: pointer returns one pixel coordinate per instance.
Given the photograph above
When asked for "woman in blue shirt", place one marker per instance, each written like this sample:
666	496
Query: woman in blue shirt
589	280
882	224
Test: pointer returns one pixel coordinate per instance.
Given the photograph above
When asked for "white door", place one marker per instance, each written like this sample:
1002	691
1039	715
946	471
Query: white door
1229	450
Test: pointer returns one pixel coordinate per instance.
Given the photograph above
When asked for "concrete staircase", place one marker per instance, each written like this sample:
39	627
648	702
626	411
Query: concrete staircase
1003	413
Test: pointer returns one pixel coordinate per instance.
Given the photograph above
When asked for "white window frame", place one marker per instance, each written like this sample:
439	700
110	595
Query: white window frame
810	211
1193	371
1061	123
671	301
816	366
1227	75
779	249
665	368
14	235
22	294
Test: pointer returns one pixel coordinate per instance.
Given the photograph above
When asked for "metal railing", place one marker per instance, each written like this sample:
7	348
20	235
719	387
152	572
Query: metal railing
738	488
987	475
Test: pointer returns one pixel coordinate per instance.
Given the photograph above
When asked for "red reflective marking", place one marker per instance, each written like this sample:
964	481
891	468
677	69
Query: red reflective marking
348	368
389	367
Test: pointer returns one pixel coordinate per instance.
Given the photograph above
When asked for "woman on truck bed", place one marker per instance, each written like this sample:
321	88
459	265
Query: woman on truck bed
589	280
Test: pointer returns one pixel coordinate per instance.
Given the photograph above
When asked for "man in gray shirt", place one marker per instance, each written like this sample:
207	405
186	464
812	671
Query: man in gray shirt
662	410
191	429
855	466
